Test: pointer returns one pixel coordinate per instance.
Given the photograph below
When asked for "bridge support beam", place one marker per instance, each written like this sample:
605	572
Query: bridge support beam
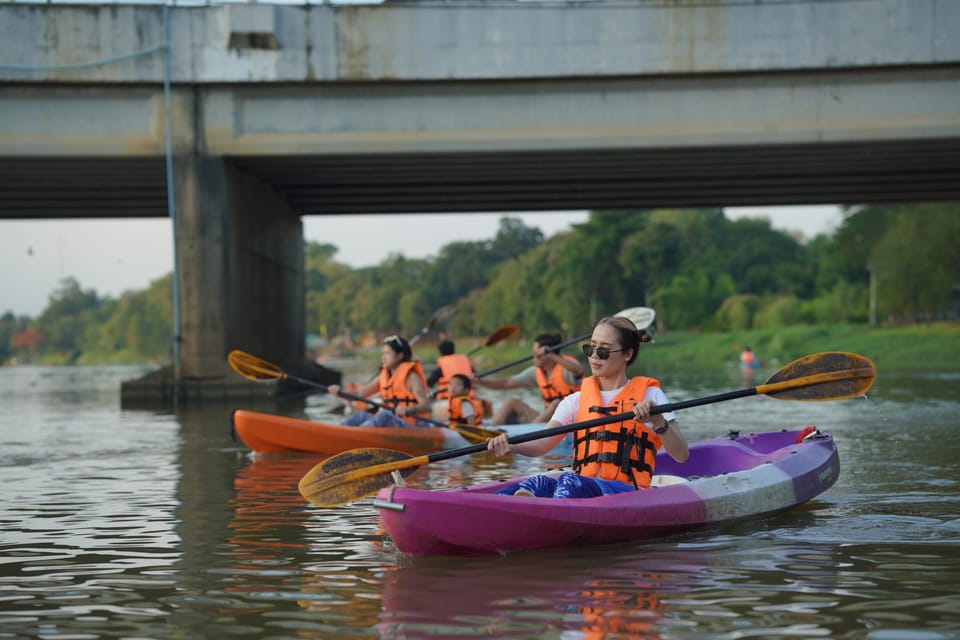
240	266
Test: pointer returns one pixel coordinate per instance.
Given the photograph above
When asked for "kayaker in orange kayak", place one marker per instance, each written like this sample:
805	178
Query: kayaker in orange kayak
401	384
557	376
449	364
610	458
462	408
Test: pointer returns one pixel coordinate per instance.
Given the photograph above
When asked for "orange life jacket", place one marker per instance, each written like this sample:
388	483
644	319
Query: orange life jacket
394	391
624	451
555	387
450	366
456	410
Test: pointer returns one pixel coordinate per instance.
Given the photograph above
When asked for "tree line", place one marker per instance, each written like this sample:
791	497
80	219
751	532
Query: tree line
698	269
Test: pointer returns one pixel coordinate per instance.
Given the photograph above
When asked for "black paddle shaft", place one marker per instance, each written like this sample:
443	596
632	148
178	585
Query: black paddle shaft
596	422
554	348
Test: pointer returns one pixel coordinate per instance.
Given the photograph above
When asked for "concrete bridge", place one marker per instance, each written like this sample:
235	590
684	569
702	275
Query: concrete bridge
239	119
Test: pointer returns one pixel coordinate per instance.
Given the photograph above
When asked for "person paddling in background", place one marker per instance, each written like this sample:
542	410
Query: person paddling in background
448	364
610	458
402	386
556	376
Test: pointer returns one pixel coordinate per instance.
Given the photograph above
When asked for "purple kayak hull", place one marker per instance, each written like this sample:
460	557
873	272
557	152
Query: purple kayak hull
726	478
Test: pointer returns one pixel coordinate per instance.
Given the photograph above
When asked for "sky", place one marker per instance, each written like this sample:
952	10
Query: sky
112	256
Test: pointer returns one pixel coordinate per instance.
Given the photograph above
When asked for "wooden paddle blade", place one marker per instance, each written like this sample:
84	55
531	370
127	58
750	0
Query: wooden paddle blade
475	435
501	334
252	367
831	375
354	474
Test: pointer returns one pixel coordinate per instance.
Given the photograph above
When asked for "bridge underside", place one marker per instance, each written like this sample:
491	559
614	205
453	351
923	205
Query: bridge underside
840	173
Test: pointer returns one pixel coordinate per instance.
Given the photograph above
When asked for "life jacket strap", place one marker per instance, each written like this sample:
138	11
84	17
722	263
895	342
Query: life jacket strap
607	411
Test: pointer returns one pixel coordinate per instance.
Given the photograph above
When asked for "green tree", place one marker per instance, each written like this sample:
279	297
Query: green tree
917	262
63	321
514	239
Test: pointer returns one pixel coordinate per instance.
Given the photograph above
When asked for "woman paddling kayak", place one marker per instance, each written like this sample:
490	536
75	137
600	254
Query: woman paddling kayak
611	458
402	386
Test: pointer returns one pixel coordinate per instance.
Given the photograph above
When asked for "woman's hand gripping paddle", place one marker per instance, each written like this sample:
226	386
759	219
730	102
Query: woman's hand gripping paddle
355	474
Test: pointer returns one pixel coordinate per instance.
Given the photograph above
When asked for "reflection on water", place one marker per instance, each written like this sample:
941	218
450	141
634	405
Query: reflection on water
149	524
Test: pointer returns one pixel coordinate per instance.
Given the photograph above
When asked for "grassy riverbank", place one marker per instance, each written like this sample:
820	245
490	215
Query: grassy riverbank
928	347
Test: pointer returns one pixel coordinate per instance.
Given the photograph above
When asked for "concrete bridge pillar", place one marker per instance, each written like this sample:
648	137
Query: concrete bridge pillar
240	264
240	260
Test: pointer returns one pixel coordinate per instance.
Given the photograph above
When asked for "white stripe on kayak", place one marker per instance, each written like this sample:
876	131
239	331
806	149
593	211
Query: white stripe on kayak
744	493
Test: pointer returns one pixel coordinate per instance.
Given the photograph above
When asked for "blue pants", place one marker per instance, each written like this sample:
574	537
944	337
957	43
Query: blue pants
567	485
379	419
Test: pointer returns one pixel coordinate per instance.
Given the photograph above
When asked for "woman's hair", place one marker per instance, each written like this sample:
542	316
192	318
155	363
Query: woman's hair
548	339
629	336
400	346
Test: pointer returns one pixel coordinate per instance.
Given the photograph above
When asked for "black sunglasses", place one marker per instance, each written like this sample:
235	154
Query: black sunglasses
602	352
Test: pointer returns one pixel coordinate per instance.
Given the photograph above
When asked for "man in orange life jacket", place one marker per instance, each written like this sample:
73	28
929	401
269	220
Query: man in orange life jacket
449	364
555	375
610	458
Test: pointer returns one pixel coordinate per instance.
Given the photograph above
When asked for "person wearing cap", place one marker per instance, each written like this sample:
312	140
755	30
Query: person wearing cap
609	458
401	385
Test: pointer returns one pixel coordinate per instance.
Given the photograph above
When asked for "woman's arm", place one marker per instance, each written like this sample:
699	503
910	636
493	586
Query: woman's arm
670	437
500	447
419	391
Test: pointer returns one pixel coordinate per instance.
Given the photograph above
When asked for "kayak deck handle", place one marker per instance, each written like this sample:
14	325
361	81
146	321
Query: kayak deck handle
390	506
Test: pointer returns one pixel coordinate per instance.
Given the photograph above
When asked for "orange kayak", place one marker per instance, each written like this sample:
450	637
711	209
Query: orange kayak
269	433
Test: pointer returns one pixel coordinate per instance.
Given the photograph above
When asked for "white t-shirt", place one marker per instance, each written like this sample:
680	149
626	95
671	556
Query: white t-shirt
466	408
566	412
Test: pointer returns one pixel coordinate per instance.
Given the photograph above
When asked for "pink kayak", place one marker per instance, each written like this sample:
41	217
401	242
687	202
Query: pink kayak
725	478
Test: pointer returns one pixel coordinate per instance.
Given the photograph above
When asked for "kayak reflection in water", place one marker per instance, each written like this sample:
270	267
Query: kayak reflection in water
610	458
401	385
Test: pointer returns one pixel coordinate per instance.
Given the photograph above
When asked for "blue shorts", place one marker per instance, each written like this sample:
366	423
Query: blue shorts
567	485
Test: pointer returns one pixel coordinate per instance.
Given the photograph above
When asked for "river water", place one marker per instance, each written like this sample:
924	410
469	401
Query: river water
150	524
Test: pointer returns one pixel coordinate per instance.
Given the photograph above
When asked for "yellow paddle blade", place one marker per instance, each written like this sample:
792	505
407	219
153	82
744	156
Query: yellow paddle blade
354	474
252	367
832	375
475	435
